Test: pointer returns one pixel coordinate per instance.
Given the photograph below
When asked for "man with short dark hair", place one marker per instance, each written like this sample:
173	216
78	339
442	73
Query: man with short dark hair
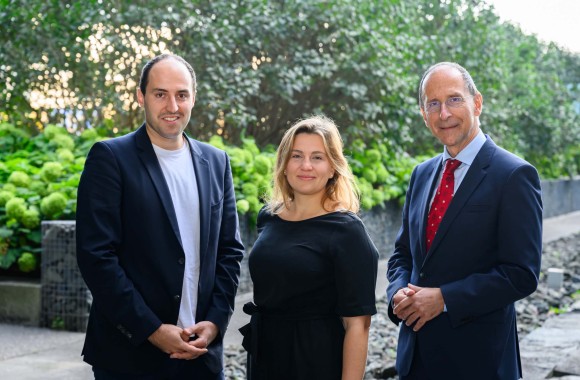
157	240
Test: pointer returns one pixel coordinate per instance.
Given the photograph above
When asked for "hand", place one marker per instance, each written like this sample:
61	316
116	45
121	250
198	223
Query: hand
169	339
418	305
205	332
401	294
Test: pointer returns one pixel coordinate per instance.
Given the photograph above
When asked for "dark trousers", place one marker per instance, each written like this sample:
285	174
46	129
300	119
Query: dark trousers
172	369
418	371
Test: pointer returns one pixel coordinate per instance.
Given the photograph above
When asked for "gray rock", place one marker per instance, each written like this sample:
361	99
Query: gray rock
546	351
570	366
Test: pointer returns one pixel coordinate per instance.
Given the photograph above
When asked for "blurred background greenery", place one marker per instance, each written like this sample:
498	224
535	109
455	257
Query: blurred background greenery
69	72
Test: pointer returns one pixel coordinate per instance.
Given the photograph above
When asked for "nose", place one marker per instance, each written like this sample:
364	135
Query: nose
172	104
306	164
444	114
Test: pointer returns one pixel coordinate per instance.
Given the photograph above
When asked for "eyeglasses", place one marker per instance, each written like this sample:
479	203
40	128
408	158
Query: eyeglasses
434	106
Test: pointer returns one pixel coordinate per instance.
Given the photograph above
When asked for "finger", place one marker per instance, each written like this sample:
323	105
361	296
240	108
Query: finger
397	298
411	319
200	342
406	302
185	335
197	329
188	355
399	310
185	356
420	323
404	314
414	288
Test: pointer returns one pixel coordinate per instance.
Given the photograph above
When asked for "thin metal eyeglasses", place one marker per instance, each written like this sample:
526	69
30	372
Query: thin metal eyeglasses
434	106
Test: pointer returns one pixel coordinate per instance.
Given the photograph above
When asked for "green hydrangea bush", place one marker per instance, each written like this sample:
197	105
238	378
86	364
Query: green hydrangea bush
39	176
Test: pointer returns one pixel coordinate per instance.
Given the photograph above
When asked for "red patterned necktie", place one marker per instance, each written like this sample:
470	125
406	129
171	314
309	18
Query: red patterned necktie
441	201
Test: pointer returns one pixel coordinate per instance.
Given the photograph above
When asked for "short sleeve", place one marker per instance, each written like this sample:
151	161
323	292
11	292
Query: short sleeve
355	267
263	216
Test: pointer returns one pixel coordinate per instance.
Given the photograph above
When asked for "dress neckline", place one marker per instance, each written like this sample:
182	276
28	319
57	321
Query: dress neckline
342	211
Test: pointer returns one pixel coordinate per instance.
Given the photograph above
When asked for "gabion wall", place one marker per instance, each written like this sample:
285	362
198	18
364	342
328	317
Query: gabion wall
65	298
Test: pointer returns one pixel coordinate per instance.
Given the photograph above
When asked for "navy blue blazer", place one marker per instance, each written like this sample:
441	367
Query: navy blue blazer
130	254
485	256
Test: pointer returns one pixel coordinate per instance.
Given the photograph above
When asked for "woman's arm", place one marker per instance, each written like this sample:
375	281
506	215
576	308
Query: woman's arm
354	352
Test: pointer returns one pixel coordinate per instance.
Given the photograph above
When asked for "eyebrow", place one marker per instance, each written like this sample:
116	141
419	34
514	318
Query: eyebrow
315	152
164	90
454	94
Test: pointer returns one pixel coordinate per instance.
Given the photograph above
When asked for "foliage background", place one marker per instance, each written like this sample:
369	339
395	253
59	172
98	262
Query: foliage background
261	65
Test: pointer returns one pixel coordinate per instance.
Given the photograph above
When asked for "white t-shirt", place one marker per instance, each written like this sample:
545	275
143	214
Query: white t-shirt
177	167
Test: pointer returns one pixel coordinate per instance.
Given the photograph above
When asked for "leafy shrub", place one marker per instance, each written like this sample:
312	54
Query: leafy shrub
39	182
63	141
51	131
30	219
19	179
5	196
27	262
263	165
53	205
15	208
243	206
39	176
381	171
51	171
65	155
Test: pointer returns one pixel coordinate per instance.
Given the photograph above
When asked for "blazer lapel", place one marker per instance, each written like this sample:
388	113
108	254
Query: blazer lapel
201	167
149	159
473	177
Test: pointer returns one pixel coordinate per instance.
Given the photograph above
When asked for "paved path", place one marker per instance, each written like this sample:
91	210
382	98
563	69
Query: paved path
28	353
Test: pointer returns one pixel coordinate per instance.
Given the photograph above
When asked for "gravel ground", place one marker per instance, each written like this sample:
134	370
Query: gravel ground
532	312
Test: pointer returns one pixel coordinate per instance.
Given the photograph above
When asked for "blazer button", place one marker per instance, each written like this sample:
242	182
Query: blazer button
422	275
181	261
177	298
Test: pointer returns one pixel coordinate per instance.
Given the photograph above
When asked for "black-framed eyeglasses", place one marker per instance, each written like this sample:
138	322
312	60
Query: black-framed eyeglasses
434	106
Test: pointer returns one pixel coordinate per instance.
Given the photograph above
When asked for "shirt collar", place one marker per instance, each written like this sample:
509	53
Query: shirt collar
467	155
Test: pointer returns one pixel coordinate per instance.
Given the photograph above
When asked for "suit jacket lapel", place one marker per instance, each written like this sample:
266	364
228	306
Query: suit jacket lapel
149	159
201	167
476	173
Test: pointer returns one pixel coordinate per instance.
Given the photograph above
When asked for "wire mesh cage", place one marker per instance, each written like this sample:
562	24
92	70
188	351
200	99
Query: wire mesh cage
66	299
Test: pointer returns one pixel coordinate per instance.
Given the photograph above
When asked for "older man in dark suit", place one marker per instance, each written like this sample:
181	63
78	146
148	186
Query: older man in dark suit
158	240
469	245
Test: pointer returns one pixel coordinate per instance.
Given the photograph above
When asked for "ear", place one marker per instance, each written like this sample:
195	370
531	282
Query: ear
140	97
478	101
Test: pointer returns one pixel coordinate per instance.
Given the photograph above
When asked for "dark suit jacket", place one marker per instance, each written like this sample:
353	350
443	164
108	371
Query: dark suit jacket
485	256
130	255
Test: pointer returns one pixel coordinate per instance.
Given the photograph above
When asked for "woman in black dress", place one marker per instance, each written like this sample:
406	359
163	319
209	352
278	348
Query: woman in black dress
313	266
